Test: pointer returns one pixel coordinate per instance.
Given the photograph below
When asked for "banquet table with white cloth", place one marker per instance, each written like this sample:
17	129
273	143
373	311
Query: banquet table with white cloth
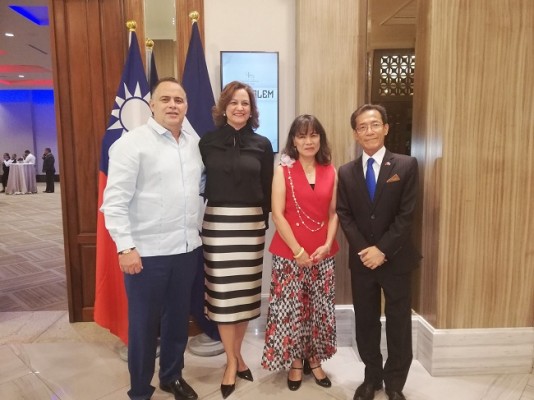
22	179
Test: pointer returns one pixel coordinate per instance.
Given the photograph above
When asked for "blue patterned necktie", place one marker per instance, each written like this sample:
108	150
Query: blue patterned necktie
370	178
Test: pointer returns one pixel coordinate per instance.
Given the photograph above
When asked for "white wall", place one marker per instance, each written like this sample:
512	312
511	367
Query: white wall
255	25
16	128
27	121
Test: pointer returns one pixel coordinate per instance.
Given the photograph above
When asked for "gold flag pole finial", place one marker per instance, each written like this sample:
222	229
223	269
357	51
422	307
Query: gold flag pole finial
149	44
194	15
131	25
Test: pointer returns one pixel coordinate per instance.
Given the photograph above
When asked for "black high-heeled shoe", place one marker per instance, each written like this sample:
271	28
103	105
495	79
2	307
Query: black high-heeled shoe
246	374
227	390
323	382
293	385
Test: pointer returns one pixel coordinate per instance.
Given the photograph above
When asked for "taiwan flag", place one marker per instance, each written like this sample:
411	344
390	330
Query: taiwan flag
131	110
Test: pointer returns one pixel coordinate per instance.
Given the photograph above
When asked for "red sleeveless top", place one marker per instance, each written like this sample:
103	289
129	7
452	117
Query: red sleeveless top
306	209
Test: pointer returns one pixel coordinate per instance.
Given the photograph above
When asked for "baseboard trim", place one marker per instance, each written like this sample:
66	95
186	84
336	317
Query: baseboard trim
446	352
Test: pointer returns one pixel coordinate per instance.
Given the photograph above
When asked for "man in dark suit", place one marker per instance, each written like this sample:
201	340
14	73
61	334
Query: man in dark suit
376	215
49	169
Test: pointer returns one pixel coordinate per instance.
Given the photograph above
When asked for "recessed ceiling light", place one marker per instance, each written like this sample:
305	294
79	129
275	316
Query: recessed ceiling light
9	34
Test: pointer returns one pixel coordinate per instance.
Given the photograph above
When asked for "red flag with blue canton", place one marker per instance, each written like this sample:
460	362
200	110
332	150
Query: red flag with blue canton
131	109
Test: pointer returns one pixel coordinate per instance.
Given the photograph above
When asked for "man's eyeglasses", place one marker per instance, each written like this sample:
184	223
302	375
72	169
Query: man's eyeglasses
375	127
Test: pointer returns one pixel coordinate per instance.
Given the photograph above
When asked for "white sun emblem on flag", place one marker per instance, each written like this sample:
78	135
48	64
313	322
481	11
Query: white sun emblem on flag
131	111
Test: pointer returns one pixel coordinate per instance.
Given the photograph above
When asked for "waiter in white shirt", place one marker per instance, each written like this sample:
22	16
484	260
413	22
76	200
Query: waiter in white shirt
151	205
29	158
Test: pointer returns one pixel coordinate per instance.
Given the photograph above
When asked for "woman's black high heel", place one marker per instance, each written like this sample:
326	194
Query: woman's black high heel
308	369
227	390
293	385
247	374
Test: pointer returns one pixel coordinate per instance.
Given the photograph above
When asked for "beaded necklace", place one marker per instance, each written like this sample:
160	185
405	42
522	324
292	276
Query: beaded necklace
300	212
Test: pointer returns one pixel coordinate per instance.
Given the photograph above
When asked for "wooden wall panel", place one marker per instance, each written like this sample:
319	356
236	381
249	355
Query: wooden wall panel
331	70
89	44
474	129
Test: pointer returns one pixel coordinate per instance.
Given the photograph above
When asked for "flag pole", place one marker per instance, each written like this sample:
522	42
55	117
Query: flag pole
149	45
131	25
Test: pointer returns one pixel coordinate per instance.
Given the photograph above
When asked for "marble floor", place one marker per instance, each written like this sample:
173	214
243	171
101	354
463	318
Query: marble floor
43	356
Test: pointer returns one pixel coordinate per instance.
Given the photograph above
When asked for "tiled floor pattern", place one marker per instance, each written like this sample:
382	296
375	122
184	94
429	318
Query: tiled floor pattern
32	262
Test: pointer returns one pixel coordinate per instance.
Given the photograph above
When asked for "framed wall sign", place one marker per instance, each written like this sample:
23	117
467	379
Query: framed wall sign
259	69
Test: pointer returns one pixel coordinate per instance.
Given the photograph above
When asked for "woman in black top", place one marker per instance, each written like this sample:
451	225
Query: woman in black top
239	172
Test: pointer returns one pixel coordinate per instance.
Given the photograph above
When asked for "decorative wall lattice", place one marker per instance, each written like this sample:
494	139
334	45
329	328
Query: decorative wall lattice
396	75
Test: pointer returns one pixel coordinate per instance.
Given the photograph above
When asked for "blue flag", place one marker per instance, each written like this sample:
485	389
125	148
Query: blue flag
196	83
200	101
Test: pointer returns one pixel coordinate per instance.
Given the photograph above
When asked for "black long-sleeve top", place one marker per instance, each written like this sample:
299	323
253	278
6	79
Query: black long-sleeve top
239	167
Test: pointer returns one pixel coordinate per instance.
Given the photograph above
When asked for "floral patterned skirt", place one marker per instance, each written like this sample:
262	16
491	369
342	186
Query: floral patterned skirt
301	322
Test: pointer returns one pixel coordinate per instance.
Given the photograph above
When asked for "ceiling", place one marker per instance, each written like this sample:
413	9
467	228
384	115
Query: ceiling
25	58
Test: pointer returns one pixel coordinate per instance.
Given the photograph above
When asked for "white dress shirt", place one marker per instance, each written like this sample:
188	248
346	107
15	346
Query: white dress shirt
378	157
29	159
151	200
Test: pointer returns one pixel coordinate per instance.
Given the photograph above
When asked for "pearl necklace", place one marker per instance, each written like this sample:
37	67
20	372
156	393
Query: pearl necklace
300	211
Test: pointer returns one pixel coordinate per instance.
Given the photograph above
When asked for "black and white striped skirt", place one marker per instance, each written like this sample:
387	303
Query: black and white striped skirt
233	239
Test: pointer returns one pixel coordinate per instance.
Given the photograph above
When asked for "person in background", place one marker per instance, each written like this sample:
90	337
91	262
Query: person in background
49	169
151	208
301	324
29	158
239	172
376	200
5	170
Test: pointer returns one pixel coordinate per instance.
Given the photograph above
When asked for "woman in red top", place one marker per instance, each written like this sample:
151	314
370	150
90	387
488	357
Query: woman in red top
301	326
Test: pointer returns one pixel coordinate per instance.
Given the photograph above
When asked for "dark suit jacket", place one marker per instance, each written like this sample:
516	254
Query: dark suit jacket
387	221
48	163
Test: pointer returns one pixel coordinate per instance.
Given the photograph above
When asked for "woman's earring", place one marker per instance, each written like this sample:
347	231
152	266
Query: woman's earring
224	114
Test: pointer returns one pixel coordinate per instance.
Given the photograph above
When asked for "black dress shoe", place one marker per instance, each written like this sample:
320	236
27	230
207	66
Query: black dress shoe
323	382
395	395
366	391
294	385
180	389
246	375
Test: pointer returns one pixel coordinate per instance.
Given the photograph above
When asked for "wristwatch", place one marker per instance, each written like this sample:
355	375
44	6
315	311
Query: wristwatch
126	251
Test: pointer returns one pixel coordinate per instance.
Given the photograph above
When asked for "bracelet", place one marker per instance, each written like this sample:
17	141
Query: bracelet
126	251
301	252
